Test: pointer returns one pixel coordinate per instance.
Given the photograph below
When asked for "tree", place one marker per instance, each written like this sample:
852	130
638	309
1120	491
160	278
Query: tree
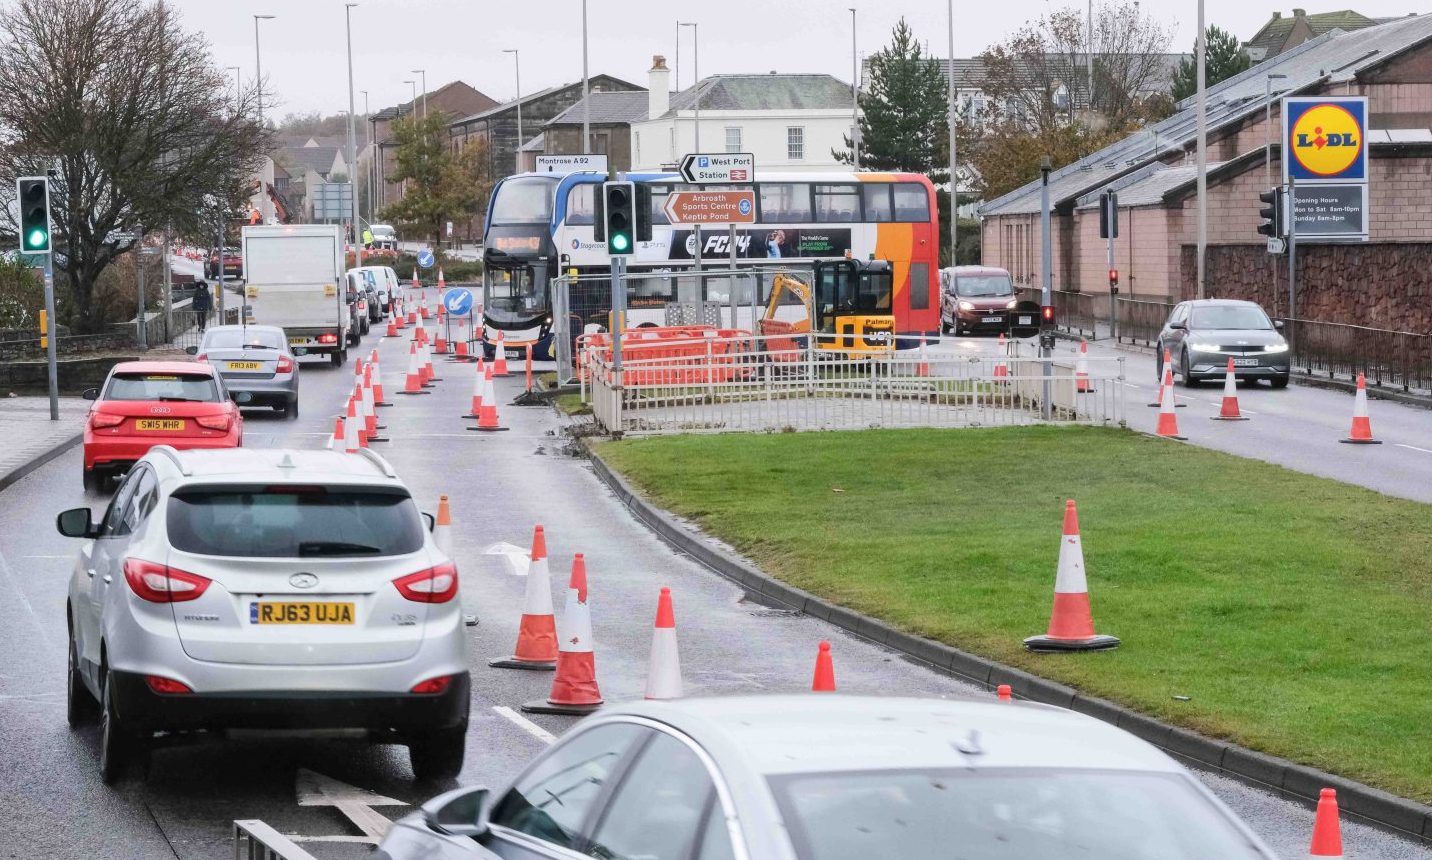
137	125
904	111
1224	59
441	185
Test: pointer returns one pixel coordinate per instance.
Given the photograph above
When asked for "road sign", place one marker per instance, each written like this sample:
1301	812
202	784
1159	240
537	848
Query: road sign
718	167
1276	245
571	163
425	258
457	301
711	207
449	228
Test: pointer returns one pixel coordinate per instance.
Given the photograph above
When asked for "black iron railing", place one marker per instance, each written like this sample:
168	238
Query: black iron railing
1389	359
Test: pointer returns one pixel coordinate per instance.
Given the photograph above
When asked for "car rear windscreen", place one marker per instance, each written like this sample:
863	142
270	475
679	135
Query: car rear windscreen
294	522
237	338
162	386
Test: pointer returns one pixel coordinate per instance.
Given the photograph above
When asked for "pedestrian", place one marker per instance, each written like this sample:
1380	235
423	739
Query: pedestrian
203	303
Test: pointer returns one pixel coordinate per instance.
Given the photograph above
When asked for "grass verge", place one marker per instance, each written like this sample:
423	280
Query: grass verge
1294	612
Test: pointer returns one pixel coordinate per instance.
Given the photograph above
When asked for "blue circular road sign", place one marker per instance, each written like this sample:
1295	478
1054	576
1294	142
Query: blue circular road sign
457	301
425	258
744	206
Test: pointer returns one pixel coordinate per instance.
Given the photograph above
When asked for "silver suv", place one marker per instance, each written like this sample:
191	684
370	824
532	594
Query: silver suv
265	589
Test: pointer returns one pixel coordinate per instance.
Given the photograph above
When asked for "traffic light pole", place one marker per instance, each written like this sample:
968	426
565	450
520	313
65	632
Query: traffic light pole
1046	262
618	313
50	337
1292	265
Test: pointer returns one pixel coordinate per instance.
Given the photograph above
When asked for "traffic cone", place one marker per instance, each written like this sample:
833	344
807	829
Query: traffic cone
1071	626
477	387
487	412
1168	419
377	378
442	284
413	382
1229	411
529	368
1166	381
350	436
1361	426
416	285
412	314
1001	370
440	344
392	327
423	311
354	416
459	346
1004	692
1081	369
663	674
574	687
442	527
337	438
1327	833
922	367
537	634
370	411
824	681
499	355
429	375
400	313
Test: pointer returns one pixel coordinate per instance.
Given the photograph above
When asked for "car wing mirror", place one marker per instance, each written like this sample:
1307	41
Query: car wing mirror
1278	324
191	350
460	812
76	523
90	394
1178	326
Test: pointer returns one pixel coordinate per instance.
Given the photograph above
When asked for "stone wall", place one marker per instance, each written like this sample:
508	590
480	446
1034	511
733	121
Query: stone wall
1392	287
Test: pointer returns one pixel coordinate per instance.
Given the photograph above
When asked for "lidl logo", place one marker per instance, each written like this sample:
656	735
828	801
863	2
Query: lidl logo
1326	138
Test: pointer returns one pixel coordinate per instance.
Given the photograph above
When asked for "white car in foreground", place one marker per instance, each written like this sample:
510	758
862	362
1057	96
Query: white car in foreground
263	589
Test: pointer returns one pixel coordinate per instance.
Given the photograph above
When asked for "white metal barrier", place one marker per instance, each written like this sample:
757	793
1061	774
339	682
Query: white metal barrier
783	383
255	840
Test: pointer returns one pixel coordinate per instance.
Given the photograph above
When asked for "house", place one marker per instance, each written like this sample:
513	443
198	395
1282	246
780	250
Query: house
609	117
378	159
787	121
1281	34
307	166
1152	172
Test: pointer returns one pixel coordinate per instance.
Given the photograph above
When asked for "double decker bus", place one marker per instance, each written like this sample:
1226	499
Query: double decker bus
800	218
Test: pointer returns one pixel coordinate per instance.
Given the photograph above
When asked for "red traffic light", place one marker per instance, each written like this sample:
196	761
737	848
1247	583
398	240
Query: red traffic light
1046	313
1113	277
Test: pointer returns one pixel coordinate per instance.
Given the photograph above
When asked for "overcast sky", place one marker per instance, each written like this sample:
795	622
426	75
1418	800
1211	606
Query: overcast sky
304	54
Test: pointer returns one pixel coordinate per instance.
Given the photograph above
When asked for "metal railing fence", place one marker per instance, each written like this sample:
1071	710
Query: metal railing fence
1141	320
1388	358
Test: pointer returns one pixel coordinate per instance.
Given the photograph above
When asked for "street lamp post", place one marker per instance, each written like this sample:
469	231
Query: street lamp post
676	69
1201	60
258	87
352	137
517	65
424	73
586	104
412	109
1268	167
954	182
367	145
854	96
696	64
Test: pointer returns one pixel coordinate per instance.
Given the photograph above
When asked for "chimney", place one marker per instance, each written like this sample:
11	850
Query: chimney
658	96
1277	16
1300	13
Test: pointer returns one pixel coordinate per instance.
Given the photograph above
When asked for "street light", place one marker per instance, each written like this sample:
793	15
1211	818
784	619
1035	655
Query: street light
258	65
517	64
696	63
352	134
424	73
367	146
854	96
954	181
586	105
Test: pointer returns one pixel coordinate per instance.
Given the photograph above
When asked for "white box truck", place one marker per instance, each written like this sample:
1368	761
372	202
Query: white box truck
295	280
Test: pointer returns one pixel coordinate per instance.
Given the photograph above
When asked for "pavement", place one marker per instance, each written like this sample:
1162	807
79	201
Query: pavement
30	435
500	484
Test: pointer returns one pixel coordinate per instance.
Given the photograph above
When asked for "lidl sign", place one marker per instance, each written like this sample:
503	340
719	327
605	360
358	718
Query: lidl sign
1325	139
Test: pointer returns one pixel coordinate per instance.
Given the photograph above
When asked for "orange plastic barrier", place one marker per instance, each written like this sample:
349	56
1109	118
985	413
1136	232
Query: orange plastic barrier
676	355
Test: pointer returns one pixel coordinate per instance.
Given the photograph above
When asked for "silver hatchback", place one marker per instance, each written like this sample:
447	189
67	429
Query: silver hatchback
265	589
255	362
1201	336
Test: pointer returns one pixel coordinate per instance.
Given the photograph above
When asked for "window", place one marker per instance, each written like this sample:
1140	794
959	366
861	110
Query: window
636	138
919	286
877	201
146	493
524	200
911	202
308	521
837	203
553	799
114	523
733	139
600	141
658	810
785	201
255	337
162	386
659	193
795	143
581	204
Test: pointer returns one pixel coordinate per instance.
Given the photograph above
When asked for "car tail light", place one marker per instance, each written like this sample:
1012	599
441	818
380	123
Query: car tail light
159	583
328	338
434	585
213	422
201	357
100	420
432	686
285	364
166	686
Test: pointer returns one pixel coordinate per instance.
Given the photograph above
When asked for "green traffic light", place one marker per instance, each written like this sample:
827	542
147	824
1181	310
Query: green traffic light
36	239
620	242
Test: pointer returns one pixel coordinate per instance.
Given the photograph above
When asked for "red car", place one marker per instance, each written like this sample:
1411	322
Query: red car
148	403
233	264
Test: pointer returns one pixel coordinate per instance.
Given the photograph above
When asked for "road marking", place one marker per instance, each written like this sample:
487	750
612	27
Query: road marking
1413	447
525	724
517	557
24	601
47	556
315	789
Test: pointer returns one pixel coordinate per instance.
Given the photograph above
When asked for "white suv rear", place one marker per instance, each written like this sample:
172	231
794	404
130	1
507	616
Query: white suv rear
265	589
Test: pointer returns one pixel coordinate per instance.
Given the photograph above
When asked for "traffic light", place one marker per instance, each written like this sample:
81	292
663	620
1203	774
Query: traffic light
1113	277
1046	316
643	212
1271	213
33	192
1108	215
619	215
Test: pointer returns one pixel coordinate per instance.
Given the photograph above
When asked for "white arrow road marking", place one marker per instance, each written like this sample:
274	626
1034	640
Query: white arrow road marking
315	789
1413	447
517	557
525	724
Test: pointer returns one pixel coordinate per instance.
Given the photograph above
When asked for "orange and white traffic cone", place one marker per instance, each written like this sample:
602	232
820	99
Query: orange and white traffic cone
392	327
442	527
499	355
1004	693
1001	370
487	420
413	382
1165	380
369	404
354	416
442	284
529	368
336	440
574	687
423	311
1081	369
416	285
1229	410
477	388
1168	419
440	340
663	674
412	314
350	436
1071	626
1361	433
922	366
459	346
377	379
1327	832
400	314
824	680
537	634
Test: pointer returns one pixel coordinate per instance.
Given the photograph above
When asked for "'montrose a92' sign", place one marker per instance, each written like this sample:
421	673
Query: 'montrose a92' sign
1325	139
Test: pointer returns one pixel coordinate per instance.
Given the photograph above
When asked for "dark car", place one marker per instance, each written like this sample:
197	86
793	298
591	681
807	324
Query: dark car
975	298
1200	336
